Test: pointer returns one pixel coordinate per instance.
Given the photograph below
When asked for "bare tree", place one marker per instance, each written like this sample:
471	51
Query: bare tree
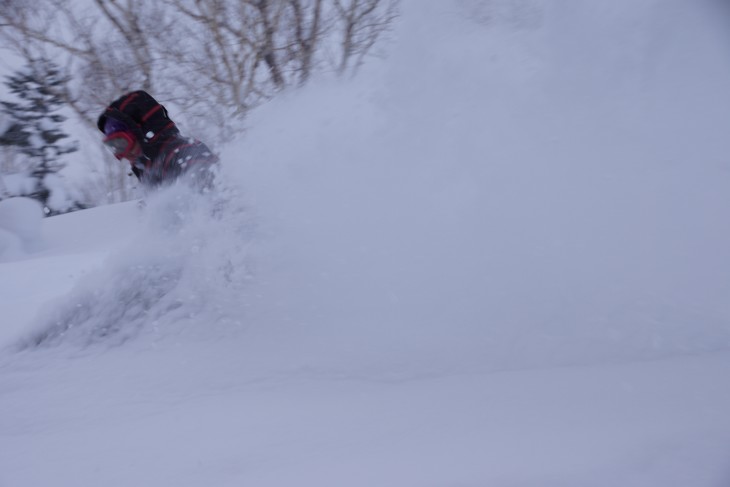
239	51
307	31
222	50
362	23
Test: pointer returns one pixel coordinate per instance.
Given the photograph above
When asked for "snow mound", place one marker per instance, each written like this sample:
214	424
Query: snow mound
185	267
11	247
20	227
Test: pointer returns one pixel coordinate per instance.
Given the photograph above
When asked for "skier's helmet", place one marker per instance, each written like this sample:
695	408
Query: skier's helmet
146	119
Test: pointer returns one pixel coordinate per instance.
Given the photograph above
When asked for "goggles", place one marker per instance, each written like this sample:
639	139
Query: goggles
123	145
112	125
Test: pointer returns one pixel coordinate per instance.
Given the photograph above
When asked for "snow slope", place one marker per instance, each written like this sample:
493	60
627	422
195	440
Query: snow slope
497	257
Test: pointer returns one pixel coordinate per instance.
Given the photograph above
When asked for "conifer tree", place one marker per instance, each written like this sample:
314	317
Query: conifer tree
35	129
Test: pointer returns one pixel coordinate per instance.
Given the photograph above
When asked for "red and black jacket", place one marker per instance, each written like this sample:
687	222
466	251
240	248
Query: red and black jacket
166	155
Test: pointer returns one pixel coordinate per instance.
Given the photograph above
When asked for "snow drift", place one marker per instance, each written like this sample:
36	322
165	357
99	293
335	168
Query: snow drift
544	185
184	264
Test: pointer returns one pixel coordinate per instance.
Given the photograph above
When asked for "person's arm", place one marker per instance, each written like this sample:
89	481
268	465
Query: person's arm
188	157
137	172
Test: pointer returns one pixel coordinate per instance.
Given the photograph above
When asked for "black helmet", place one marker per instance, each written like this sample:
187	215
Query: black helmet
145	117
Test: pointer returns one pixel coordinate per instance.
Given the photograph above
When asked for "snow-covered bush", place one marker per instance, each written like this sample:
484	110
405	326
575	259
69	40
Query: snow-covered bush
20	226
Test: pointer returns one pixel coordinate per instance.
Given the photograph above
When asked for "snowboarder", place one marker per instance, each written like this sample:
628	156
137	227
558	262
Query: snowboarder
138	129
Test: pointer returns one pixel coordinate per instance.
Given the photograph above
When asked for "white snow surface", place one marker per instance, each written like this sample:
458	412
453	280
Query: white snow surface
497	257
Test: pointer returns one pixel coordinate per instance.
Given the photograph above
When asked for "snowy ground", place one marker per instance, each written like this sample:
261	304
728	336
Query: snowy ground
499	257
